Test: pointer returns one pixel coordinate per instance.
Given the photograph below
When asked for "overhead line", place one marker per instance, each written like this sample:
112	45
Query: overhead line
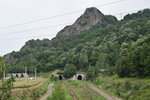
40	28
51	17
27	37
38	20
129	11
110	3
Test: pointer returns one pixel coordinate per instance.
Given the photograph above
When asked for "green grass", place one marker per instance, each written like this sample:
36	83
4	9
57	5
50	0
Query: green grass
60	92
126	88
83	92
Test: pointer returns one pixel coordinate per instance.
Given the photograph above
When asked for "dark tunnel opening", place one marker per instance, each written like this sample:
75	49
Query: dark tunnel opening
17	75
79	77
60	77
22	75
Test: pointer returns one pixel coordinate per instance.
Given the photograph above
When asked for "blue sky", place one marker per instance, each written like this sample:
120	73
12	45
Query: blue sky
19	11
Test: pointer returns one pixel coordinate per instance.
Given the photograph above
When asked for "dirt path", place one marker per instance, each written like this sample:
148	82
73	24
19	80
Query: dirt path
101	92
48	93
74	97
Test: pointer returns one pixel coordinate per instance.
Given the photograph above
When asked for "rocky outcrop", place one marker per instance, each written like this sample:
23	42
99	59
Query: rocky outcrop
90	17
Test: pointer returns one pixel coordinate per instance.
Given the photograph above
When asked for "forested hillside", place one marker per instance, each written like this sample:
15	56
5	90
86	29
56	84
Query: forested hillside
118	47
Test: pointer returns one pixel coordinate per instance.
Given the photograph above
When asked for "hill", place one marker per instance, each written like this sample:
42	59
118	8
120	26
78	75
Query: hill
94	42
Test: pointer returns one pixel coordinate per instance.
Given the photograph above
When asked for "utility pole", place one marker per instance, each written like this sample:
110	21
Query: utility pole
4	72
35	73
25	74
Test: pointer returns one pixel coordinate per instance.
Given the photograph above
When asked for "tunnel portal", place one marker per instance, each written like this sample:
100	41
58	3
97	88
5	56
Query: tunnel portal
79	77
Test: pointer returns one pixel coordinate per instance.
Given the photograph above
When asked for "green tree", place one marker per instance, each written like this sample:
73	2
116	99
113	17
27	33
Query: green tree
7	85
91	73
69	70
122	63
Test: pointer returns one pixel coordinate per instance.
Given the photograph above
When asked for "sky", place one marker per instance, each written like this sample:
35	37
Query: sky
14	12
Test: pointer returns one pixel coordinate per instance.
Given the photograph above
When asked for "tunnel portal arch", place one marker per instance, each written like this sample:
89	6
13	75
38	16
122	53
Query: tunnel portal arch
60	77
17	75
79	77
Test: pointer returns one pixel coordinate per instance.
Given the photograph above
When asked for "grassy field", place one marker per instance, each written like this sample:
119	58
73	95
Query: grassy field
21	82
83	92
30	91
126	88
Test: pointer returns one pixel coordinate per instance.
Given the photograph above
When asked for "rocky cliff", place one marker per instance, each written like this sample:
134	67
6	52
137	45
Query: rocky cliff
90	17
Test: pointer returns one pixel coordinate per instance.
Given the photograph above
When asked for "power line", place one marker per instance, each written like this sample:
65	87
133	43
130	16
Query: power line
51	17
110	3
49	27
27	37
40	28
128	11
121	14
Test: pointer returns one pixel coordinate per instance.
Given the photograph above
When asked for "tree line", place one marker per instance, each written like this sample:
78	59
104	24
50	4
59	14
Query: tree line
118	47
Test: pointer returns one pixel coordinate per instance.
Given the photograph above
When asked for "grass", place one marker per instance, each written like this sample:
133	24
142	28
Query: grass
36	93
59	92
83	92
30	90
21	83
126	88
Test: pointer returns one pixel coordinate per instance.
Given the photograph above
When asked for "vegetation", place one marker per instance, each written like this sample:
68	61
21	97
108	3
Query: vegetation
135	58
36	93
69	71
6	85
111	45
25	83
83	92
125	88
60	93
33	92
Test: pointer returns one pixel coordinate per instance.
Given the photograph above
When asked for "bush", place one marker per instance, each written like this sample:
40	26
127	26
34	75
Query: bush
136	86
127	85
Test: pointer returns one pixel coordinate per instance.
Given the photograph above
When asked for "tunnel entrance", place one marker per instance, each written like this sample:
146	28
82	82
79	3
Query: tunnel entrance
22	75
60	77
79	77
17	75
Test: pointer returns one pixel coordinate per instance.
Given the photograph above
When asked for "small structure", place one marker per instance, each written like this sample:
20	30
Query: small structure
79	77
102	72
59	76
19	75
25	75
75	77
13	75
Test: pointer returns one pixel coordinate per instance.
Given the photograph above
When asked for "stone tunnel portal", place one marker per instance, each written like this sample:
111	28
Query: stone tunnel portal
79	77
60	77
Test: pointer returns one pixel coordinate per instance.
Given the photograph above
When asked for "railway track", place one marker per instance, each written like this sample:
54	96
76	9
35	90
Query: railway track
103	93
71	91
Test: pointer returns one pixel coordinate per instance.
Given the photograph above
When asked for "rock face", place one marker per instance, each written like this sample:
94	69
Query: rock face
90	17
